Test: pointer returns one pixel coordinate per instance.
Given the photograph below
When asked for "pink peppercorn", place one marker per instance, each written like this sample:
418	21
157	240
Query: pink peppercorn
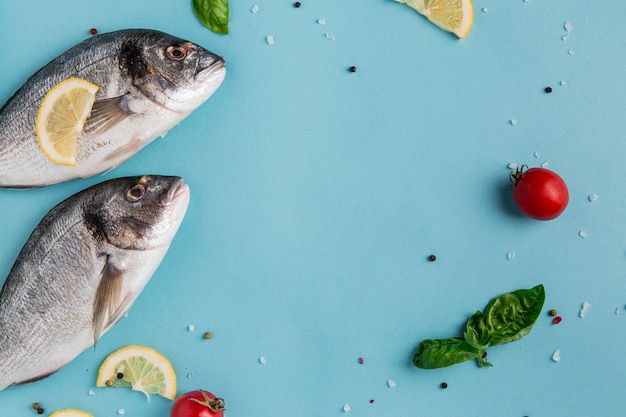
93	31
361	361
557	320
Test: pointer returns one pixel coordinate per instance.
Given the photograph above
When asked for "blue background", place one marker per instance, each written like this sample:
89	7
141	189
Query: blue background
318	195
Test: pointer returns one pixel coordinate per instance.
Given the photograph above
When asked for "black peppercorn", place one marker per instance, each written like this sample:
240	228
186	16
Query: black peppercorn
432	258
297	4
444	385
548	90
120	375
40	410
352	69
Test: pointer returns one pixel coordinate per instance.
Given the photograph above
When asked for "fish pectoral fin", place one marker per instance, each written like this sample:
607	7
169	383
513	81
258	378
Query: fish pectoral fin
108	298
105	114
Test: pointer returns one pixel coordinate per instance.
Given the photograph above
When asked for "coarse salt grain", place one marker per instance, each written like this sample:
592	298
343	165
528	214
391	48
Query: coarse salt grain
391	383
582	234
262	360
568	26
513	122
571	52
562	83
585	308
346	407
91	392
330	36
121	411
255	8
556	356
512	165
618	310
510	255
593	197
191	327
189	374
545	164
564	37
485	10
537	154
321	21
270	40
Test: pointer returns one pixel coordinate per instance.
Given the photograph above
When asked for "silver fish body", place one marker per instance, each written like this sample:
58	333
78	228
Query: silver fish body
81	269
148	82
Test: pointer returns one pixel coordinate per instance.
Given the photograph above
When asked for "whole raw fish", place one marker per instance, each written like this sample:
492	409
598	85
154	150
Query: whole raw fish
81	269
147	81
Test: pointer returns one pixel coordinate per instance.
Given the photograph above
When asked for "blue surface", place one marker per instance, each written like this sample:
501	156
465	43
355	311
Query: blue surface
318	194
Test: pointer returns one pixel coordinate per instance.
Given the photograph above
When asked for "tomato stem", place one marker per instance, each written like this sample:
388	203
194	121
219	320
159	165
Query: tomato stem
214	404
514	176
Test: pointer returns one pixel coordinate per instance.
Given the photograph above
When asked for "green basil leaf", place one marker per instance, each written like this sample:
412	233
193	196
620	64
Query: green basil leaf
213	14
439	353
507	318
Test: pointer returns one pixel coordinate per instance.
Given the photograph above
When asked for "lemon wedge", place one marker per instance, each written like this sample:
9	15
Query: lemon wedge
139	368
456	16
70	412
61	118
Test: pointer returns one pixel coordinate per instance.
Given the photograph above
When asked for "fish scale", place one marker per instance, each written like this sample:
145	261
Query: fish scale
81	269
144	91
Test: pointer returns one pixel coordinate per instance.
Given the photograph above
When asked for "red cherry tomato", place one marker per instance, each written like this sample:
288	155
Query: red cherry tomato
539	193
198	403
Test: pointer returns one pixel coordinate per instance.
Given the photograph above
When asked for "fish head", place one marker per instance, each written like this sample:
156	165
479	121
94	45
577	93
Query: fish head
138	213
174	73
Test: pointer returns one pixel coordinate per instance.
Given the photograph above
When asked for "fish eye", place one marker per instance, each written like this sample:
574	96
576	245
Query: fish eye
134	193
176	53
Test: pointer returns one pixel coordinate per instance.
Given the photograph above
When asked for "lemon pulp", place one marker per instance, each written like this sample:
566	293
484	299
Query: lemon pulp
70	412
61	118
139	368
456	16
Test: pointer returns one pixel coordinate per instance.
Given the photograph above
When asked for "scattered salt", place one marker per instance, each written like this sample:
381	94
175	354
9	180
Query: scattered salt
191	327
121	411
391	383
91	392
255	8
593	197
571	52
568	26
189	374
564	37
262	360
582	234
330	36
556	356
512	165
510	255
513	122
537	154
346	408
545	164
321	21
562	83
270	40
618	310
584	309
485	10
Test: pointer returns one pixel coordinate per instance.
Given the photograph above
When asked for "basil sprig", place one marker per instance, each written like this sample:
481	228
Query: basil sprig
213	14
507	318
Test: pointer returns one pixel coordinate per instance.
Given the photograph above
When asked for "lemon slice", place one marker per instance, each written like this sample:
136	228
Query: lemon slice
456	16
61	118
139	368
70	412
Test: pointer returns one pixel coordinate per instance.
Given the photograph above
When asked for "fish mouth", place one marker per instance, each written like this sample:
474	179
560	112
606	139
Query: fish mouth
216	71
178	189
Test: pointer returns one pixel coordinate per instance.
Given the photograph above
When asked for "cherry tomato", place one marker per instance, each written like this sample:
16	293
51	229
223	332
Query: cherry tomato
198	403
539	193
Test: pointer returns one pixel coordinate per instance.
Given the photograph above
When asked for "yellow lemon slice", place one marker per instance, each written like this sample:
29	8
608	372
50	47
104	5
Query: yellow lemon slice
139	368
61	118
456	16
70	412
